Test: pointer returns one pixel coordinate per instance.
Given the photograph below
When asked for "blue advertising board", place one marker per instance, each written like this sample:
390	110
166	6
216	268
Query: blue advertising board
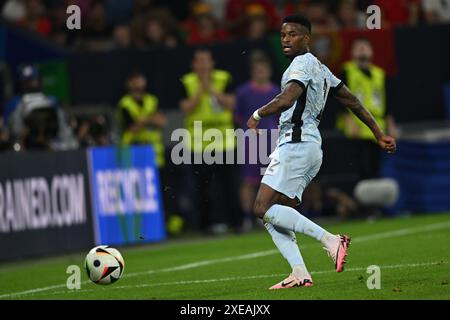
126	195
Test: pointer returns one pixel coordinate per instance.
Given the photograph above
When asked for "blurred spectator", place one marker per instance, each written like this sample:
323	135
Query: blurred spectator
100	130
97	32
155	29
35	18
29	83
58	17
57	13
35	119
290	7
137	30
142	7
236	11
97	25
398	13
5	143
349	17
326	42
258	91
217	8
140	121
322	20
436	11
91	131
6	85
59	37
14	10
152	24
80	127
160	31
121	37
368	83
208	100
257	23
202	27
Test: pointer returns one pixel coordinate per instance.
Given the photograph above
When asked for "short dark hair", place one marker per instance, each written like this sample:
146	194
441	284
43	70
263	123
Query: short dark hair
135	74
202	49
258	56
361	39
299	19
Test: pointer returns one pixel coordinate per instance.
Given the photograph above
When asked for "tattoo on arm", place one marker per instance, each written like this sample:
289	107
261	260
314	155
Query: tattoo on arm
347	99
283	101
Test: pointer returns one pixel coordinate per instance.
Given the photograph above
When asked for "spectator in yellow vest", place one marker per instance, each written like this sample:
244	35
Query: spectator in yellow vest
208	100
140	121
368	82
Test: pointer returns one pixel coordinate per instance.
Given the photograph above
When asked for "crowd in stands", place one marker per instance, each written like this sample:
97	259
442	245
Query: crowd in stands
122	24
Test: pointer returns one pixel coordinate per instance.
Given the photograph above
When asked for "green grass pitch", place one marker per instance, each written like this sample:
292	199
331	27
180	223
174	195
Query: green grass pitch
413	254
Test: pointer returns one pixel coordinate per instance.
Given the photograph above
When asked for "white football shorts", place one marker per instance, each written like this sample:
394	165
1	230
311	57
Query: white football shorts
292	167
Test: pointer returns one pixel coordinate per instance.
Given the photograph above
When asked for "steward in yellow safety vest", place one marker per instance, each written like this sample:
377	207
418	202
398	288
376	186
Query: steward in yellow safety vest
207	101
369	86
140	121
368	83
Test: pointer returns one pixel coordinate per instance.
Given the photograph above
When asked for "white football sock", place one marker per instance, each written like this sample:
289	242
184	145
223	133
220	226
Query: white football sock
287	244
290	219
301	272
328	239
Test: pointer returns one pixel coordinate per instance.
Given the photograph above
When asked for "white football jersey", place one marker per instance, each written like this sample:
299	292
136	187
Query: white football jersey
300	122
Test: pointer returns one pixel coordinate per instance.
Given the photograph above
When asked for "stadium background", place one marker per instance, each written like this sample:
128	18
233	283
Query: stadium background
86	71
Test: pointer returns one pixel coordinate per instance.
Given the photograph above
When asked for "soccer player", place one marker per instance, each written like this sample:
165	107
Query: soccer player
305	85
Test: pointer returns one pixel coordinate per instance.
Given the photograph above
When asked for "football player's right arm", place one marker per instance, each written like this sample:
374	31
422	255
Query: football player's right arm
280	103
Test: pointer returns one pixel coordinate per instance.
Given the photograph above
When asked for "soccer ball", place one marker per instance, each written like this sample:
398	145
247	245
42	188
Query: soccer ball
104	265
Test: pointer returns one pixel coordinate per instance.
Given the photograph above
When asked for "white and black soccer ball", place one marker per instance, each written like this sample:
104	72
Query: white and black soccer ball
104	265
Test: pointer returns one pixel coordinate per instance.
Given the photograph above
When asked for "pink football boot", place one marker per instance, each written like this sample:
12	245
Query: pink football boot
292	282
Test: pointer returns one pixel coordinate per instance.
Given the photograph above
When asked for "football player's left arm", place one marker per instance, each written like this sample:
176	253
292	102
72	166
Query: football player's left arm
280	103
348	99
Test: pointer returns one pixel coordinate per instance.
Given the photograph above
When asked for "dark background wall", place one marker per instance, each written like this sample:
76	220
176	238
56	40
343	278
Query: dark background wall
424	67
98	78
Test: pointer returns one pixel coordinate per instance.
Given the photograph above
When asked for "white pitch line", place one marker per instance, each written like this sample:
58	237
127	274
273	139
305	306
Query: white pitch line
32	291
209	262
265	276
403	232
375	236
177	268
